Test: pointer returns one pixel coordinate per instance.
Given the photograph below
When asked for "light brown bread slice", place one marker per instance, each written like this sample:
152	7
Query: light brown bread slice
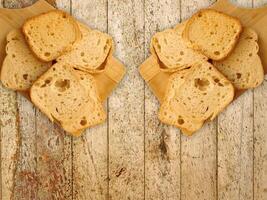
213	33
93	111
173	114
20	67
193	98
90	52
68	97
51	34
243	66
172	51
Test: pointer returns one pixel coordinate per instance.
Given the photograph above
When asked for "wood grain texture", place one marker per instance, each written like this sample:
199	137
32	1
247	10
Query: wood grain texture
25	177
126	106
53	149
198	153
54	166
9	141
260	142
235	145
260	134
90	152
42	171
133	156
17	3
162	143
235	150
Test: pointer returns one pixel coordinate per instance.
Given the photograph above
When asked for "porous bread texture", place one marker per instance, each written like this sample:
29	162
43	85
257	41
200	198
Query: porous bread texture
51	34
172	51
68	97
194	96
243	66
212	33
173	115
93	111
20	67
90	52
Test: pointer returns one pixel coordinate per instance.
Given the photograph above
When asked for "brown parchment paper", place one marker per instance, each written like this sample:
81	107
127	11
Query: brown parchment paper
11	19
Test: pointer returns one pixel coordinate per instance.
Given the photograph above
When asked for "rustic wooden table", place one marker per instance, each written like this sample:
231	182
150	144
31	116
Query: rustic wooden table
134	156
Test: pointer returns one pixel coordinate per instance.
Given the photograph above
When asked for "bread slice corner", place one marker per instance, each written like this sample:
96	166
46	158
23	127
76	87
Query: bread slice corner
20	67
51	34
171	50
90	53
213	33
243	66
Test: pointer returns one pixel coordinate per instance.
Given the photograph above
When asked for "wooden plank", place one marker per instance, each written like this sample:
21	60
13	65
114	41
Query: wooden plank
44	169
25	177
162	143
54	166
25	181
90	152
53	151
260	142
260	134
235	150
87	13
259	3
235	145
126	105
9	141
17	4
198	153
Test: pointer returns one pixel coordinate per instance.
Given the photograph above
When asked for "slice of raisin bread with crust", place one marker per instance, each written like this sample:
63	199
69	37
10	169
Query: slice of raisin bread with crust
51	34
243	66
195	97
20	67
69	98
89	54
169	47
213	33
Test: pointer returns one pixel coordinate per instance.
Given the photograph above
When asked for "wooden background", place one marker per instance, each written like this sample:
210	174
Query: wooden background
133	156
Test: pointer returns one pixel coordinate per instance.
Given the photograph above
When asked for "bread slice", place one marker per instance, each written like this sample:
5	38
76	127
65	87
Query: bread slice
90	52
20	67
93	111
68	97
195	96
51	34
172	51
243	66
172	114
213	33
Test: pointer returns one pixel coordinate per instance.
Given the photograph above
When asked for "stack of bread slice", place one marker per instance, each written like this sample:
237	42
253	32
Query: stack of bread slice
53	58
209	56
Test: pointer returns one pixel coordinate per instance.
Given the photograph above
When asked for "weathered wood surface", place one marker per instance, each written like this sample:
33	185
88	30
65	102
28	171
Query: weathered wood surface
162	143
235	146
126	105
133	156
44	164
198	153
90	152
